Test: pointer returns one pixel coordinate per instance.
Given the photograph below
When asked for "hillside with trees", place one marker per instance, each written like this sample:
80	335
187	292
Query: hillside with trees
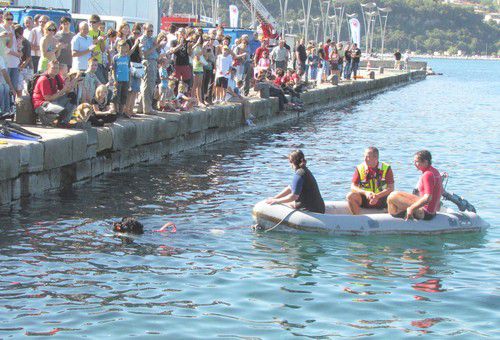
424	26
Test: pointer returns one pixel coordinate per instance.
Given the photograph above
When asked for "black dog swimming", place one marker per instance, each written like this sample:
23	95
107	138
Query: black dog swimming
129	225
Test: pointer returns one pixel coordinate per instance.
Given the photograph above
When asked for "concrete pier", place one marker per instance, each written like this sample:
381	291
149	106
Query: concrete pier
65	157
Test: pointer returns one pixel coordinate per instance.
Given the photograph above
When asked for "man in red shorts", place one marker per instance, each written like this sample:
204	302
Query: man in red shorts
371	183
430	188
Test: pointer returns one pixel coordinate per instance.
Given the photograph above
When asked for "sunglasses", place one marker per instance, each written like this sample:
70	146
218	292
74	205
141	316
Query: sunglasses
9	19
150	31
52	29
94	22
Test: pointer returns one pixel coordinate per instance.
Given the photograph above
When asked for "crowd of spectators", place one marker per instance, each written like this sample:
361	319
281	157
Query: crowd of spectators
99	75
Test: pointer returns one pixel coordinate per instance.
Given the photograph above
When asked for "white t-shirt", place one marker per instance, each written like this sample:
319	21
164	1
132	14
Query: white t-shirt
80	44
2	67
231	84
170	38
223	65
27	33
35	38
10	60
3	43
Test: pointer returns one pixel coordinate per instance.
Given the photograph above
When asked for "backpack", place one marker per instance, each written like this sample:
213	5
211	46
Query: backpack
32	83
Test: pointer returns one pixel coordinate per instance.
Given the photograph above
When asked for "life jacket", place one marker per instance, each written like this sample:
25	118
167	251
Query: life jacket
376	184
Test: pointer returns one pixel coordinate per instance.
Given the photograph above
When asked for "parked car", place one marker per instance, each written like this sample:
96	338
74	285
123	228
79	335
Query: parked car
19	13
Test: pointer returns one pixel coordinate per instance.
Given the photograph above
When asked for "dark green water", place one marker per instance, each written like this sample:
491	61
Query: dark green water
63	273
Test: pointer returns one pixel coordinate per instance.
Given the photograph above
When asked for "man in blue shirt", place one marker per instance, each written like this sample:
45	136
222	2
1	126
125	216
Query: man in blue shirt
149	46
121	73
254	44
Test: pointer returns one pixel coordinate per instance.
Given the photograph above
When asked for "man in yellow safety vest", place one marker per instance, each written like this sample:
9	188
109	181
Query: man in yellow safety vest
372	182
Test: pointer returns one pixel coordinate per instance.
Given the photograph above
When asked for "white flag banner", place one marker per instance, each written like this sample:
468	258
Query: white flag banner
233	16
355	31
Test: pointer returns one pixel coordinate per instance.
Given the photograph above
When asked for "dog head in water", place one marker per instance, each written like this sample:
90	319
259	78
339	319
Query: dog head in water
129	225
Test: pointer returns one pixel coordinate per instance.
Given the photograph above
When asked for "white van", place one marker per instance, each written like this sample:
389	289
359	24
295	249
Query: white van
130	10
113	22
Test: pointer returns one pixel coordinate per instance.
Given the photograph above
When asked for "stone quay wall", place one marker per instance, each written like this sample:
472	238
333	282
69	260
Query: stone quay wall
65	157
389	64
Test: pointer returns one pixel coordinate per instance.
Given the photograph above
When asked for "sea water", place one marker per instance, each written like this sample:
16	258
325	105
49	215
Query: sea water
64	273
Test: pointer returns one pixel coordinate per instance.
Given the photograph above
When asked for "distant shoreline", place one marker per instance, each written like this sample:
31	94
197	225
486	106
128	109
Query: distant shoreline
429	56
423	56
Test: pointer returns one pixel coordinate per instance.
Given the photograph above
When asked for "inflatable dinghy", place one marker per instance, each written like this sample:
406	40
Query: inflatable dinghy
338	220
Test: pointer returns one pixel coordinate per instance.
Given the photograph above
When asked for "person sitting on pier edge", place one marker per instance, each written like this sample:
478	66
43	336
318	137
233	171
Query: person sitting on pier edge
304	192
430	189
372	182
51	99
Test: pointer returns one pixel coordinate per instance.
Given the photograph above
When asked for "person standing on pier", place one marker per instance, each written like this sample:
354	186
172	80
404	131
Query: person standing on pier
397	60
259	52
301	57
372	182
430	189
279	56
356	57
150	50
81	48
304	192
347	63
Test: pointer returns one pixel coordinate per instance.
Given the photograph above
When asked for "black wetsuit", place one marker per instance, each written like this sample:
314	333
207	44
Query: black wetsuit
305	185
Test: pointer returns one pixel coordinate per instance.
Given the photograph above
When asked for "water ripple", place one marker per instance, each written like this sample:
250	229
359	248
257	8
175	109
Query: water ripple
65	273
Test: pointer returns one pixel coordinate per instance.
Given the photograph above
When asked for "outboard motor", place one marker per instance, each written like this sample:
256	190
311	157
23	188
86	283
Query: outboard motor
462	203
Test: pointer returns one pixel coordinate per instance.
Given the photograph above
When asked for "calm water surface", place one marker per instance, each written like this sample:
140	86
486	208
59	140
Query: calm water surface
63	273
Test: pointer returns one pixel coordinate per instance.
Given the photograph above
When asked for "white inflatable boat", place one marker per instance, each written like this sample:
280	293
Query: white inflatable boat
338	220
